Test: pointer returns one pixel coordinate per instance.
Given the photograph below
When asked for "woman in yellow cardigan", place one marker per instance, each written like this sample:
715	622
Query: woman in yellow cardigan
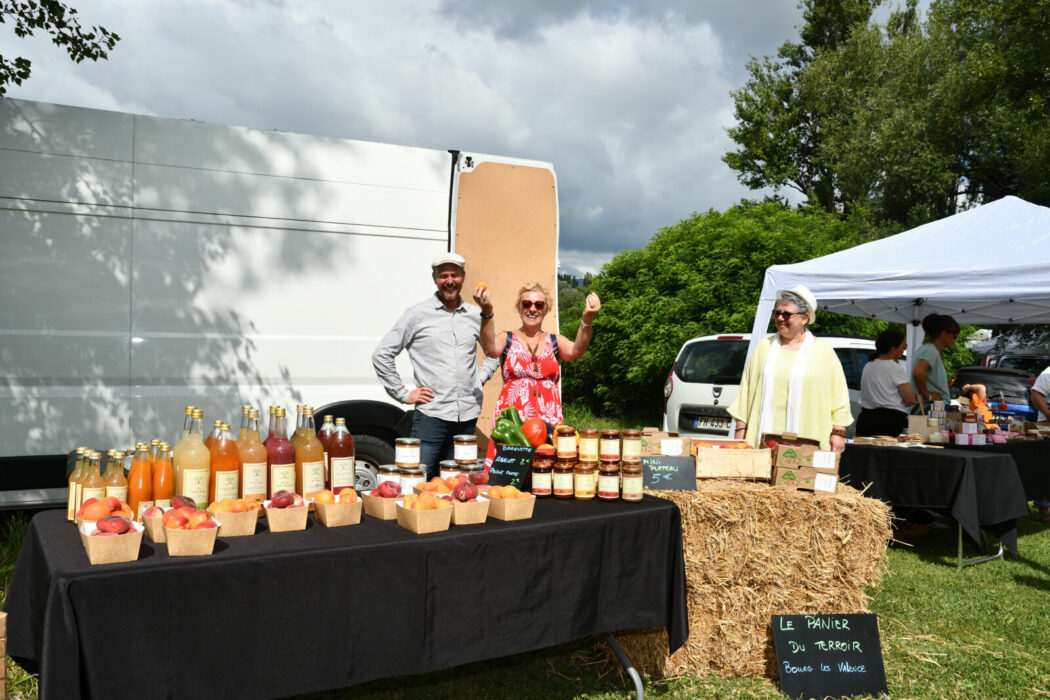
793	381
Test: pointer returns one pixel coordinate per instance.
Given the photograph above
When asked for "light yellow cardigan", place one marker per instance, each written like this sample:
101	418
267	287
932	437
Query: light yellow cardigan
825	396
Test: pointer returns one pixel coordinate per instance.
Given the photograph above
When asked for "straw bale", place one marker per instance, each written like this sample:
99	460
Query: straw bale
752	551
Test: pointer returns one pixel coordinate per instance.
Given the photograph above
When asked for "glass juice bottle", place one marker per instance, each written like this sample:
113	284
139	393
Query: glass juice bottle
116	483
244	423
140	481
193	466
280	457
92	485
272	426
298	434
253	462
216	430
163	478
225	479
309	459
73	492
323	433
187	421
154	450
340	457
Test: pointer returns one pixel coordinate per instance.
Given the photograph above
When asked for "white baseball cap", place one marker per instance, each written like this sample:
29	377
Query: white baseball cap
446	259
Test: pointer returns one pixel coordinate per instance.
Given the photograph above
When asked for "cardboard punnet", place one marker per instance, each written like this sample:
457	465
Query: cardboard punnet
470	513
512	508
654	442
806	479
731	463
192	543
155	530
287	519
111	550
423	522
378	507
338	514
237	524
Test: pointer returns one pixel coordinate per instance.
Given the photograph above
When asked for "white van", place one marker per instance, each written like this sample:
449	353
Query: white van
705	378
152	263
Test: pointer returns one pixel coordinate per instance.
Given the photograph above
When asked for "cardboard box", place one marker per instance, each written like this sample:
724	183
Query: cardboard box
154	528
377	507
423	522
696	443
470	513
192	543
338	514
237	524
721	463
287	519
512	508
795	456
111	550
806	479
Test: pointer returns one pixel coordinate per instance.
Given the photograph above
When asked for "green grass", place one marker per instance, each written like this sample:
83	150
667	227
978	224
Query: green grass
981	633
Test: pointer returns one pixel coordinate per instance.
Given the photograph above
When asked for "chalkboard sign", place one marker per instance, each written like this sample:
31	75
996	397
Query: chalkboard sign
828	655
662	473
511	465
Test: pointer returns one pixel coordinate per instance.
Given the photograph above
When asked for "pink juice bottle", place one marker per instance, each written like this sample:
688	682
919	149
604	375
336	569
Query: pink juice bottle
280	457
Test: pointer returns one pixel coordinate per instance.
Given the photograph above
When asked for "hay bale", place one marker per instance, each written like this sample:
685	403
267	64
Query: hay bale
752	551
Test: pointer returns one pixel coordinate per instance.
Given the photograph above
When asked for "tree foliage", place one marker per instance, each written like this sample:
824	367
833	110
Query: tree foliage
899	124
698	277
61	22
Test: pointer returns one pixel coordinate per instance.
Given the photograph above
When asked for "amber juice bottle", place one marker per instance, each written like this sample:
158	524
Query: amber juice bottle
309	459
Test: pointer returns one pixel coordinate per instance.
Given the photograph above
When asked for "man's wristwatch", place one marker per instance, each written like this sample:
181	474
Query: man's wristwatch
487	316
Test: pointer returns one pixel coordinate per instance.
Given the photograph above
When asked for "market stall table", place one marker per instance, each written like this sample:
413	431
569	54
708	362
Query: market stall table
278	614
1032	458
979	490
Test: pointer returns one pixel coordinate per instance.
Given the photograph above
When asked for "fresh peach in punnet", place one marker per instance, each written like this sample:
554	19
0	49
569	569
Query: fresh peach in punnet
347	495
153	512
198	517
178	521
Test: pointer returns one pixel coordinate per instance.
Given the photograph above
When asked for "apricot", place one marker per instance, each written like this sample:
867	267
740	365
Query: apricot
169	514
325	496
410	501
112	502
177	521
124	510
153	512
94	510
510	491
204	525
239	506
252	505
347	495
198	517
495	492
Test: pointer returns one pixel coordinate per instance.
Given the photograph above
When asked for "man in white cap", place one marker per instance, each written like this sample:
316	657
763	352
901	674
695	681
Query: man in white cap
440	334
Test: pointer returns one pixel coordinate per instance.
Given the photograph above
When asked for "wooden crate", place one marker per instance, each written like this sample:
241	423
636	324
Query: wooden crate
720	463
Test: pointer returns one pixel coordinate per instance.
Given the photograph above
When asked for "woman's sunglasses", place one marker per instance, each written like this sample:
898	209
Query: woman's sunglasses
786	314
528	304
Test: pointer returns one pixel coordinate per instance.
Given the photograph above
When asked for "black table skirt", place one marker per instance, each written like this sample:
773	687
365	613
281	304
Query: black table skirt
1032	458
978	489
278	614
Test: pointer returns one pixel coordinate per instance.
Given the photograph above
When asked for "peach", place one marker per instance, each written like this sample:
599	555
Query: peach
153	512
177	521
112	502
239	506
179	501
113	523
204	525
347	495
198	517
94	509
325	496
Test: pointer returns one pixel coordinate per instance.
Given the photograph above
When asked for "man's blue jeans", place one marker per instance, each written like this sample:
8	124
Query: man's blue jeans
435	438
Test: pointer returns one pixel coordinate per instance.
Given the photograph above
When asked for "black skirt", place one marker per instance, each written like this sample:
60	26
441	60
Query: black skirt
881	421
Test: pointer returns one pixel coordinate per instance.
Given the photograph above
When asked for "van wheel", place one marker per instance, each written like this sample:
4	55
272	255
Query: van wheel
369	453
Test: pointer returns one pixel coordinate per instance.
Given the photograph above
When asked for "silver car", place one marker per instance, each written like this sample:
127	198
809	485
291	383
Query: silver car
706	375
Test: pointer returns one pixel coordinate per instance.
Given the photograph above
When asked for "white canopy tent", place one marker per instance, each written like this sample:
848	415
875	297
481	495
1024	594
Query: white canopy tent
990	264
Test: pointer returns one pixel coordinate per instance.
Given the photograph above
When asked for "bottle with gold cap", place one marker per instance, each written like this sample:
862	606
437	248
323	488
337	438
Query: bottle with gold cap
154	450
163	477
323	433
244	423
280	457
140	481
116	482
193	465
298	434
341	468
309	459
225	479
216	431
272	426
73	492
92	485
253	461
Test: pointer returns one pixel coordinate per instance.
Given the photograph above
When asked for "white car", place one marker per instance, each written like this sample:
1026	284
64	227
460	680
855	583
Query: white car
706	375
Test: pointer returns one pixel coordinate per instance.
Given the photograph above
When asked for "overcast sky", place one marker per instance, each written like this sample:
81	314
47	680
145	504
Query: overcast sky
629	100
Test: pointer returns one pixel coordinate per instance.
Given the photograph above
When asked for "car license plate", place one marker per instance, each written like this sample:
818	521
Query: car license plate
710	423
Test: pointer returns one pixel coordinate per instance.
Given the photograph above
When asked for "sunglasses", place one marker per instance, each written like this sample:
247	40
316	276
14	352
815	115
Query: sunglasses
786	314
528	304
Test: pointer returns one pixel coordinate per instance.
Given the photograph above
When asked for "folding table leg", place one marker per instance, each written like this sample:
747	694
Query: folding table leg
631	671
968	562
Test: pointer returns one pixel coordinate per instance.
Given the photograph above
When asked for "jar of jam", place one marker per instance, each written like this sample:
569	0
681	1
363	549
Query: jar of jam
465	448
409	477
562	478
609	481
588	445
389	472
631	446
584	481
543	473
631	483
609	446
406	452
565	442
448	468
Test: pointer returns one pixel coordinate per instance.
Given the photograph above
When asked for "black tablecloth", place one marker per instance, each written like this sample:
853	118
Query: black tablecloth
1032	458
979	490
278	614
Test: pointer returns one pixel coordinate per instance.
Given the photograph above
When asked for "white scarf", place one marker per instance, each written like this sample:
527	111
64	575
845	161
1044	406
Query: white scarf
794	398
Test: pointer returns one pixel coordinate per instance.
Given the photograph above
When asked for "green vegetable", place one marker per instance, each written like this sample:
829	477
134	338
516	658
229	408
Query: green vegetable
511	413
507	432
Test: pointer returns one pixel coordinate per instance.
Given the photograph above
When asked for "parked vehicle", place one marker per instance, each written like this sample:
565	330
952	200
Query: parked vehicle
1031	363
151	263
706	376
1008	390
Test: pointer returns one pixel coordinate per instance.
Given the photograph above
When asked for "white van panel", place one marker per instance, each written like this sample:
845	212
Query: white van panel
64	178
39	127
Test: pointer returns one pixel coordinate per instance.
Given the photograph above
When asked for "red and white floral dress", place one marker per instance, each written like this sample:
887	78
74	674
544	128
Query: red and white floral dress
530	384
